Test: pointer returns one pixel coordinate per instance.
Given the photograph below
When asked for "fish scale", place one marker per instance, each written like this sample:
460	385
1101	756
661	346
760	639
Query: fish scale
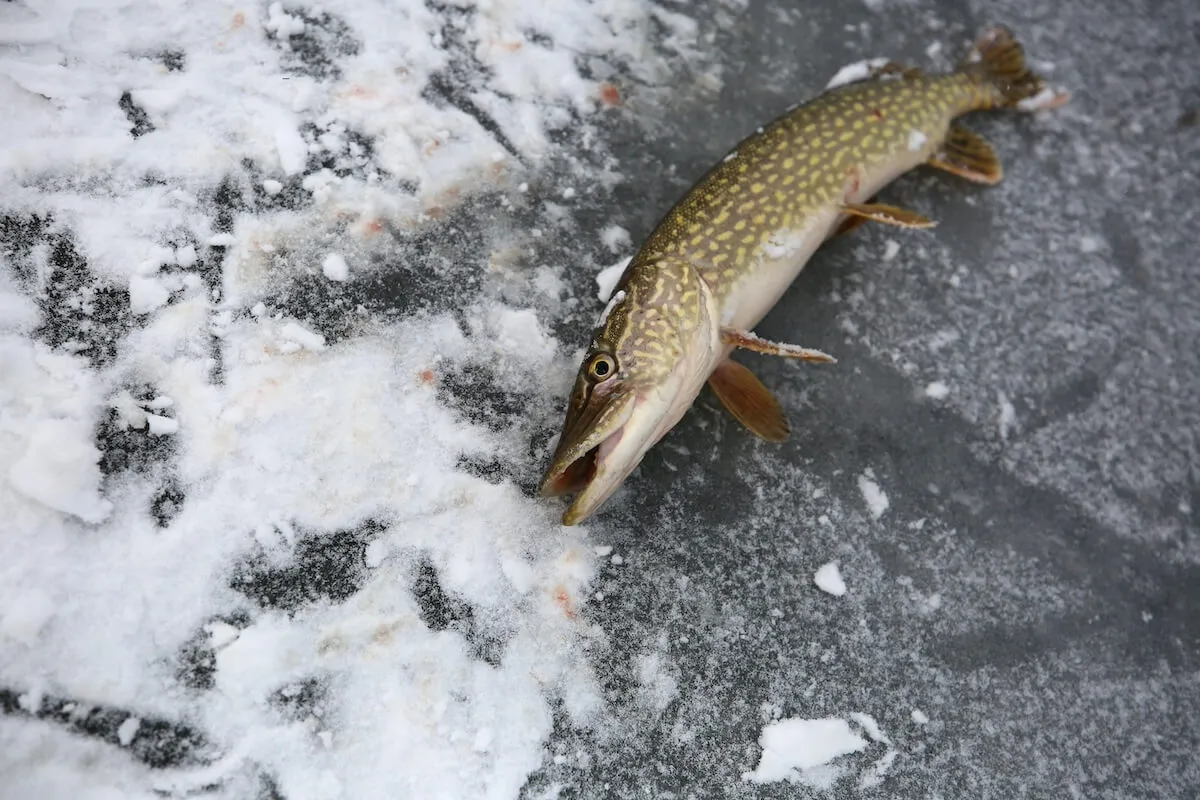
728	249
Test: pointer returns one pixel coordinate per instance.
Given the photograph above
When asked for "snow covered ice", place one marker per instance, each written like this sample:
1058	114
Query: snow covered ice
290	294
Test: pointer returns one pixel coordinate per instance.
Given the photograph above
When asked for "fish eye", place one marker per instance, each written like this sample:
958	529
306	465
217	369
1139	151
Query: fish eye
601	367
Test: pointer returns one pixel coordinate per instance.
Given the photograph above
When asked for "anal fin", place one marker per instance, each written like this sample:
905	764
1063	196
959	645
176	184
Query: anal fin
751	403
748	341
969	156
889	215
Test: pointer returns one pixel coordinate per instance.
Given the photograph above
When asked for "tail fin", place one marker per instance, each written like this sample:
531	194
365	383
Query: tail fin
997	57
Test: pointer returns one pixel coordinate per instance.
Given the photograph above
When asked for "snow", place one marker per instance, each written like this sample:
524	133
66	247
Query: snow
615	238
606	279
792	746
875	498
890	249
919	717
916	140
828	579
937	390
238	423
858	71
335	268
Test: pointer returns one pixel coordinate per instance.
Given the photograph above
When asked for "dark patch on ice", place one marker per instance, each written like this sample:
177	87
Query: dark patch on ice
158	743
1073	396
19	235
473	391
322	566
315	52
196	666
1126	250
355	156
441	610
167	503
123	448
463	73
78	308
301	699
173	60
431	270
136	115
498	470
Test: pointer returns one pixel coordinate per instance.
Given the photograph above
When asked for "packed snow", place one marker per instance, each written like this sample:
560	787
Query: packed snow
875	498
858	71
828	579
793	749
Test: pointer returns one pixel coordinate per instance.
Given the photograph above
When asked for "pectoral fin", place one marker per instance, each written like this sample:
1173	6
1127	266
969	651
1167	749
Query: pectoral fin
849	223
968	155
748	341
890	215
751	403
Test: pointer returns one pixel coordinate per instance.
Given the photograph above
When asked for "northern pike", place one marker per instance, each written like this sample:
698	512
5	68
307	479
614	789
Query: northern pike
722	257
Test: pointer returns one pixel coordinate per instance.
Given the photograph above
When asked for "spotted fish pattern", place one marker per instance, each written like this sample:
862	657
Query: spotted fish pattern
724	254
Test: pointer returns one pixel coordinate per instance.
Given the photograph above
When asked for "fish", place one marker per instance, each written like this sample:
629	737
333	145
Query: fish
724	254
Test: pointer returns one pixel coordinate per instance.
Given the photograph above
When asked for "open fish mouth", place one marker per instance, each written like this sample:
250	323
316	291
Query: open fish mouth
578	475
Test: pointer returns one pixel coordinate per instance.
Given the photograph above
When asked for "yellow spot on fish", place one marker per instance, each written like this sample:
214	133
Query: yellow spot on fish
758	187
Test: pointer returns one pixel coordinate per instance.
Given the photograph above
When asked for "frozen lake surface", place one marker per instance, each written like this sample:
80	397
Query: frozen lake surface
290	299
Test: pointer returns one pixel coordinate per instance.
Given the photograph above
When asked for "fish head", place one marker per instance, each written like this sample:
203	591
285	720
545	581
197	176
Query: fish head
643	369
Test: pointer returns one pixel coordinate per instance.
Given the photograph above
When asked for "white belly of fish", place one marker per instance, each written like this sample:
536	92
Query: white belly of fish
781	259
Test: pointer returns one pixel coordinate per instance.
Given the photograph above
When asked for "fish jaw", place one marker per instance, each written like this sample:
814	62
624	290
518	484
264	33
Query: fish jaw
594	459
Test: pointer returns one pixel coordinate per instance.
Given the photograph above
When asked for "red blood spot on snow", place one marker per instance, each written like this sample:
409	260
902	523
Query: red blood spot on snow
610	95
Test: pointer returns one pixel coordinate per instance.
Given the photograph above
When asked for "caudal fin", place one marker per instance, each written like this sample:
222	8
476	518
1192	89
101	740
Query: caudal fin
997	57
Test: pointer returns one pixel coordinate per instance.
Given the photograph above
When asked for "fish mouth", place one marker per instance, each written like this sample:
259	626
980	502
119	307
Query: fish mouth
589	461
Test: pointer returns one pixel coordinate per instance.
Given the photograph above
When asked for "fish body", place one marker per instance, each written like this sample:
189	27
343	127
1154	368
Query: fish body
724	255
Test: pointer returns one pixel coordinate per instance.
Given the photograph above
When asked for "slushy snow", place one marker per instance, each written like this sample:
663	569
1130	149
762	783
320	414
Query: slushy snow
875	498
791	747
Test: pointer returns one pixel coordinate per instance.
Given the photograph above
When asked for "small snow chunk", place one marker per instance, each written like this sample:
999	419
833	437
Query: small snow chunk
859	70
870	727
829	579
186	256
916	140
603	550
221	240
335	267
221	634
297	334
919	717
128	730
876	499
873	5
146	294
293	151
802	744
933	49
161	426
258	309
937	391
1088	244
616	559
375	553
890	249
1008	418
606	279
568	193
1045	99
615	238
272	187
